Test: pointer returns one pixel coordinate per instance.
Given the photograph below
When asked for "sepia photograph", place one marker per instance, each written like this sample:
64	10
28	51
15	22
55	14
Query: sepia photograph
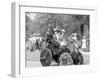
55	39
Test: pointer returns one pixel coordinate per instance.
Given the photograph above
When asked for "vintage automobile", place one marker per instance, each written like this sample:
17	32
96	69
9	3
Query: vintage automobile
58	53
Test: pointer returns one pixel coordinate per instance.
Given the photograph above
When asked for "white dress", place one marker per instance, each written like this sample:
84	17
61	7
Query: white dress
84	44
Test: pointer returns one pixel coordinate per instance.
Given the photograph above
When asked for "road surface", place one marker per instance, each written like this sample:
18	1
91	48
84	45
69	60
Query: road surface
33	59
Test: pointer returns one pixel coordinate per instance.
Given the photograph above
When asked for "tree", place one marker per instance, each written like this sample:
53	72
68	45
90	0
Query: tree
43	21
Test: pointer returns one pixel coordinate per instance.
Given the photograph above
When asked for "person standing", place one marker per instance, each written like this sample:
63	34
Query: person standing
84	43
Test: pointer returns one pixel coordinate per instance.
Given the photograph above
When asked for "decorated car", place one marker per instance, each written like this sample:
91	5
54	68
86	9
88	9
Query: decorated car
61	54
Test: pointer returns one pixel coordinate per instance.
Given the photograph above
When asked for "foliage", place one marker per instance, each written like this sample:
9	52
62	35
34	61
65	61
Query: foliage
43	21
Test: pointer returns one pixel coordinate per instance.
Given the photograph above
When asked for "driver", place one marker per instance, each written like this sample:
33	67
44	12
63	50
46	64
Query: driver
60	36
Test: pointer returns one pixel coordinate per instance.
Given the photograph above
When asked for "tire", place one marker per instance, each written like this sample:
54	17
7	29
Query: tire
77	58
80	58
65	59
46	57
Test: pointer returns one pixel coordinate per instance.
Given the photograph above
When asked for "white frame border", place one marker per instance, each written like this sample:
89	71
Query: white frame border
18	69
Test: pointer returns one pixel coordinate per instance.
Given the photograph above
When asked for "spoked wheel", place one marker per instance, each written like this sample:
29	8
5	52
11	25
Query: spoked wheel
65	59
46	57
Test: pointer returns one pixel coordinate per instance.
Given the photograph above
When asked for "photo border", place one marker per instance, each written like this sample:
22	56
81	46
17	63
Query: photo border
17	66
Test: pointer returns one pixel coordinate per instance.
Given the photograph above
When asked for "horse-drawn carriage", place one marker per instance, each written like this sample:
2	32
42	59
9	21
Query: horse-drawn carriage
58	53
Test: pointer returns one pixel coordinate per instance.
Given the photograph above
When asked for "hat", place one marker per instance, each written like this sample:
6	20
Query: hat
55	29
63	30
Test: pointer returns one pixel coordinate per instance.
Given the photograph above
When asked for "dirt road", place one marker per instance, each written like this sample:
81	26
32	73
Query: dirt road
33	59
